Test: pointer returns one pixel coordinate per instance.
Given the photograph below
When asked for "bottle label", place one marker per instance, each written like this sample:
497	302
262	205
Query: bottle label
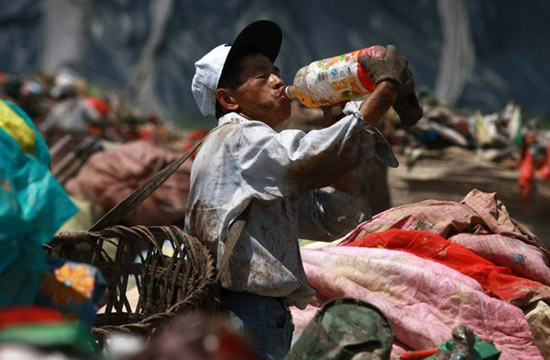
340	78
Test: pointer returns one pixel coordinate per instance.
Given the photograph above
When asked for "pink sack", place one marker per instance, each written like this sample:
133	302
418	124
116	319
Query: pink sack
110	176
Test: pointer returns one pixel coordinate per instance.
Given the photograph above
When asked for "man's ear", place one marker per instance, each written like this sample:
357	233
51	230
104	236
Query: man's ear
225	98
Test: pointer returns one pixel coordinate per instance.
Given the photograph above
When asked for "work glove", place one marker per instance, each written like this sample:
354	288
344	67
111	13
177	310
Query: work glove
408	109
393	67
407	106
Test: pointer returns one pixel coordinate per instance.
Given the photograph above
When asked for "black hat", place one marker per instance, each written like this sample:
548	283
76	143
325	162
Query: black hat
263	36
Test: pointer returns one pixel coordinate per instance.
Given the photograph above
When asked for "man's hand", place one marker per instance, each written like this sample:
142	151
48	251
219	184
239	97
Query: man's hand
393	67
333	113
376	105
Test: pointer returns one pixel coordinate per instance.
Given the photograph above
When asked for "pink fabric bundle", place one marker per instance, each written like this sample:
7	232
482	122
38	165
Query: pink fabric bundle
423	296
423	299
480	222
497	281
523	259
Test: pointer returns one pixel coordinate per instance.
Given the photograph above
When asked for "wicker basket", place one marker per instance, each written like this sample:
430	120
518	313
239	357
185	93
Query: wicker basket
177	281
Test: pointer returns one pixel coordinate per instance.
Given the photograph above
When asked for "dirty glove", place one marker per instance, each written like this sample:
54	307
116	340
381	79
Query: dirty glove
408	109
392	67
407	106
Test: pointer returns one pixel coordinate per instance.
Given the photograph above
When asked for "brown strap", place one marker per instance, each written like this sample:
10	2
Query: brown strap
233	234
142	192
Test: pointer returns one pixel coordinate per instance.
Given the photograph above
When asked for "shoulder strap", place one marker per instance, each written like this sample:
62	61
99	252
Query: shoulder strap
144	190
233	234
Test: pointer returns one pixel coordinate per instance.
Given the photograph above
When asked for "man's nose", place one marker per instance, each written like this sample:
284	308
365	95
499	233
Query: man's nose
276	81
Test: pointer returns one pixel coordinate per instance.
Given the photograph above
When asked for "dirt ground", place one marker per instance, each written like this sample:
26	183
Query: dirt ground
451	173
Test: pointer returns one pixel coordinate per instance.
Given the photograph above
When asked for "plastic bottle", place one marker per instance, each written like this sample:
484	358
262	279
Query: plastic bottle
341	78
463	343
333	80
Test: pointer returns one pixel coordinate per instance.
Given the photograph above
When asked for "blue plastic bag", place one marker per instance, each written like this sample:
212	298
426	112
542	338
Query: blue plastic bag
33	205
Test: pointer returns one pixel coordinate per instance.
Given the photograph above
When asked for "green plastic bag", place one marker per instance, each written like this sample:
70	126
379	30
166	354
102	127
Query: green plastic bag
344	329
70	337
33	205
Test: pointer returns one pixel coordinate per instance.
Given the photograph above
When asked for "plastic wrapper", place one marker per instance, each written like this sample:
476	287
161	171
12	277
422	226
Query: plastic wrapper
33	205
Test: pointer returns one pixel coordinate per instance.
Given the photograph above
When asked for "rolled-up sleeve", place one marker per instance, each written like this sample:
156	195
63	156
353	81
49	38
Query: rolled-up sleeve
327	214
292	163
382	149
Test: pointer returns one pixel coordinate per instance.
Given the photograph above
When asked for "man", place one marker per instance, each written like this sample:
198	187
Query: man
293	185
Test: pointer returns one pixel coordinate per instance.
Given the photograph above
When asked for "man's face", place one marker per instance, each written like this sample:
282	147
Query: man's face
261	95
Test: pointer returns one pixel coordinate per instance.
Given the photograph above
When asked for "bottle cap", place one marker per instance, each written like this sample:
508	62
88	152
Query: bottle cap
289	92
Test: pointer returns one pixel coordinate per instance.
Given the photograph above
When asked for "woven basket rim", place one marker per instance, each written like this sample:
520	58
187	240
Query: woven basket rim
190	288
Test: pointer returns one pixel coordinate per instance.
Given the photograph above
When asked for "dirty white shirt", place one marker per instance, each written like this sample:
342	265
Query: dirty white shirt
283	177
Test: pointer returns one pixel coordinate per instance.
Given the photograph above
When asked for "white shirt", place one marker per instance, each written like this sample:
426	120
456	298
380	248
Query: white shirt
283	177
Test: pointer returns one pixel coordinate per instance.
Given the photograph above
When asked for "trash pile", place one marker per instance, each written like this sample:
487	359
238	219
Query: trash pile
493	135
502	137
64	103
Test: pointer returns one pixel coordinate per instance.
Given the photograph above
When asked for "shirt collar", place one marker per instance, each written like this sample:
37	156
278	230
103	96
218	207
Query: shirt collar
231	117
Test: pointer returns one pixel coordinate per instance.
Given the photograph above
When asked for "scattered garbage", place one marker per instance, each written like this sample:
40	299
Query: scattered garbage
503	137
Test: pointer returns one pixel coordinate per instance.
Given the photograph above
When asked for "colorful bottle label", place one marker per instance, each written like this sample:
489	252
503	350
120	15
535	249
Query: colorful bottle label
336	79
